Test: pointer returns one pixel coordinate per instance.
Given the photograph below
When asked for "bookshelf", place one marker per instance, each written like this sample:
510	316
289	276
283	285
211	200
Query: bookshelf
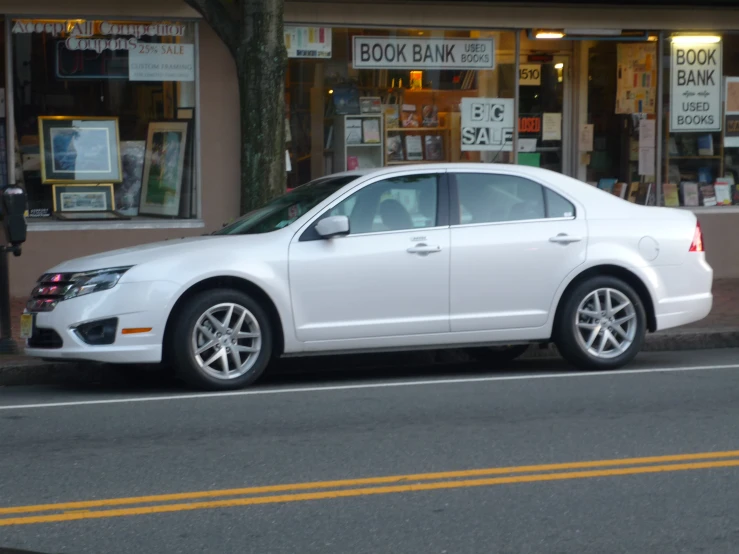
688	157
402	134
351	141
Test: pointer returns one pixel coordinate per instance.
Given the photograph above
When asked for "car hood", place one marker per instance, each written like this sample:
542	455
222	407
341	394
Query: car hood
137	255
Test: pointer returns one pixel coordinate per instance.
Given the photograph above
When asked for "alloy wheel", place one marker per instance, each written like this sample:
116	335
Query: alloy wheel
606	323
226	341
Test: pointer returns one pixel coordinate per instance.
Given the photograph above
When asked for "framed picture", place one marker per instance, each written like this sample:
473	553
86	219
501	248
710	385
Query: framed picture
164	168
79	150
83	198
128	192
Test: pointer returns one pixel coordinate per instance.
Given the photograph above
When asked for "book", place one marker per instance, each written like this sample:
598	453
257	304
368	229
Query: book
620	189
353	129
705	175
709	194
672	198
735	190
392	116
330	137
690	193
434	148
394	148
705	145
607	184
633	191
723	187
370	105
430	115
371	130
410	118
352	162
346	100
413	148
644	195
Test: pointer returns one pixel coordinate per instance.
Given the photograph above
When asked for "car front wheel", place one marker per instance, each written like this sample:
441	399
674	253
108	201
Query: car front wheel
602	324
222	340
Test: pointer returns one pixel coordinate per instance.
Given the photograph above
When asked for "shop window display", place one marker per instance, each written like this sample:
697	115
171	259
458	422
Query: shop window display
366	98
104	118
700	154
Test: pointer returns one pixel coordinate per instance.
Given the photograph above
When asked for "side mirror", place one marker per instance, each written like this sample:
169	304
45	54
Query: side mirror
334	226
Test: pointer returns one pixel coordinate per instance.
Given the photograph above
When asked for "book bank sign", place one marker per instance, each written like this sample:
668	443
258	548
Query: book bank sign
695	86
423	53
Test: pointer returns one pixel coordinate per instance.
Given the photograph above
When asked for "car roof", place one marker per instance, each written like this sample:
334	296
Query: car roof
506	168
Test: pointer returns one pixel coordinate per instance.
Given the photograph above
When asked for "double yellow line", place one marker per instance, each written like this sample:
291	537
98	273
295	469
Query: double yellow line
322	490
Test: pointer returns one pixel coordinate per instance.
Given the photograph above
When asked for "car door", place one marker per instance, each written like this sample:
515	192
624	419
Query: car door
389	276
513	243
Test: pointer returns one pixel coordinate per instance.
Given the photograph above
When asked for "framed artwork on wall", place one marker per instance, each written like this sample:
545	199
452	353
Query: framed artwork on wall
79	149
164	168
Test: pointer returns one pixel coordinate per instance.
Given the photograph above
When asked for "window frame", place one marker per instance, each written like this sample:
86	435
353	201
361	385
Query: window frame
443	203
454	214
194	220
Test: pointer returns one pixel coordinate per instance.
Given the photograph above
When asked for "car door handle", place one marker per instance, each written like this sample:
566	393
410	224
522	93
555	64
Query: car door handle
564	238
423	248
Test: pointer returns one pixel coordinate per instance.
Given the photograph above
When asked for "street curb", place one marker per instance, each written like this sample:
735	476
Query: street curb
19	371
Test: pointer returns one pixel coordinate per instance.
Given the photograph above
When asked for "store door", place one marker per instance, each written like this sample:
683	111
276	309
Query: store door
544	111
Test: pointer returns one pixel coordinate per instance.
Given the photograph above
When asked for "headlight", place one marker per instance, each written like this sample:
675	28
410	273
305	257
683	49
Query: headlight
94	281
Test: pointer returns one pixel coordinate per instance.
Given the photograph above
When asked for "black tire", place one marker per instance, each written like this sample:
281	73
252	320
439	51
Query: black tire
180	345
498	355
565	335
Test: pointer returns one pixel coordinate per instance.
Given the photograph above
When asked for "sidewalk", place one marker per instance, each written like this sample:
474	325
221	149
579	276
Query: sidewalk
719	330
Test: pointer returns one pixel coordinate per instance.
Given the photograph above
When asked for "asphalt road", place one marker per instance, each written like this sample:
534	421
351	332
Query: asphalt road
452	459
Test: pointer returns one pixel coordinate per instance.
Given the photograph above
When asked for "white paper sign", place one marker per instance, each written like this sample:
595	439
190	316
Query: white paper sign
161	62
647	160
423	53
527	144
529	75
551	126
487	124
308	42
647	134
586	137
695	87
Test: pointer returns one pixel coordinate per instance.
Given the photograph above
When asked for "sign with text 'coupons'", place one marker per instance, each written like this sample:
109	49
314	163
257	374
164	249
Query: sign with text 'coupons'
423	53
487	124
695	86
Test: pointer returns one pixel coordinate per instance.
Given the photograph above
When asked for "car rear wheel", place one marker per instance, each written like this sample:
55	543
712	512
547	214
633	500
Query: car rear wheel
222	340
602	324
498	355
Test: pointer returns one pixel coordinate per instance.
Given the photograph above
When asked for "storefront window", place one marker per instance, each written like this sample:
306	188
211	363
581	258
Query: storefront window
700	154
104	118
372	98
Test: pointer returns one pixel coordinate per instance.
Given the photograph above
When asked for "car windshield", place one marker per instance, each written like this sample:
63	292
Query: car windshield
284	210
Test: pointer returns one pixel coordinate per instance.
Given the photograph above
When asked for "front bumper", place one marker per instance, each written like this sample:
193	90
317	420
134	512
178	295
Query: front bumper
135	305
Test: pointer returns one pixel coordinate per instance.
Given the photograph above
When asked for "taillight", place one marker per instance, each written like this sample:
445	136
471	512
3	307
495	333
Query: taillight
697	244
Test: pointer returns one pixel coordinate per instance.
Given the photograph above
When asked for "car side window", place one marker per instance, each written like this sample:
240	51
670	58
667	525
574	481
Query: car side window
396	204
558	206
496	198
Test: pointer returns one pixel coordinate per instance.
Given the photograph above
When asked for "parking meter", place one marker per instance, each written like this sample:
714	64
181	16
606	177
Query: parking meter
13	209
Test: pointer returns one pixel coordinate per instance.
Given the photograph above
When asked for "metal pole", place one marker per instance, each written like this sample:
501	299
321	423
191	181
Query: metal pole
7	344
516	79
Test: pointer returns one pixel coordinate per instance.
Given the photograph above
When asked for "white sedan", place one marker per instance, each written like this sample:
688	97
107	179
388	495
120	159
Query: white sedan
488	257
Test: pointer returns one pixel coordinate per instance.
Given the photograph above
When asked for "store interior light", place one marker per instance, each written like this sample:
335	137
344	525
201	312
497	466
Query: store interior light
549	34
559	65
331	91
696	39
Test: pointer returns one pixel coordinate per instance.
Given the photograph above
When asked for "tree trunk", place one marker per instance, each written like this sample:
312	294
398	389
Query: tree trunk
261	61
